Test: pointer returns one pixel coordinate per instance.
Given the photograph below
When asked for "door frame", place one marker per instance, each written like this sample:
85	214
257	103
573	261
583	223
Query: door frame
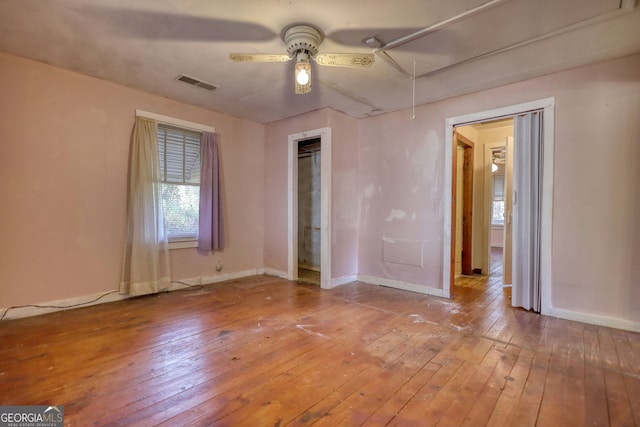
547	105
508	249
467	201
325	203
488	198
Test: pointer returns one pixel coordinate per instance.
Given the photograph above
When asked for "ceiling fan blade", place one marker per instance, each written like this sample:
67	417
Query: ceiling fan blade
157	25
356	60
259	57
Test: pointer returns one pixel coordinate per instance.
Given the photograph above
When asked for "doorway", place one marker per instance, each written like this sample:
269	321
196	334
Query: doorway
309	198
498	179
498	143
462	196
482	230
542	241
499	201
294	140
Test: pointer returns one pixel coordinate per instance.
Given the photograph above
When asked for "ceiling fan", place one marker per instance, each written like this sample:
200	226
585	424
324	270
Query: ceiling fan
302	41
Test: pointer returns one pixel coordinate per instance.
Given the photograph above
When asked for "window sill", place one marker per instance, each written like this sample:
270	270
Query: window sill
183	244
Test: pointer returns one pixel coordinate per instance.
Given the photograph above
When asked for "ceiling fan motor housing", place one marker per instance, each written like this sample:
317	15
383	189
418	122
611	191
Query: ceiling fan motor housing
301	38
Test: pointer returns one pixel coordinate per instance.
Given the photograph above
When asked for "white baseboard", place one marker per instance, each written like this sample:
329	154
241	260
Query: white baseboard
421	289
62	304
272	272
309	267
595	319
333	283
88	300
94	299
205	280
338	281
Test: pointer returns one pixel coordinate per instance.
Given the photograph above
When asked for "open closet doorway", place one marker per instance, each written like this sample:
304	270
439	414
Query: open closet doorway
296	142
309	197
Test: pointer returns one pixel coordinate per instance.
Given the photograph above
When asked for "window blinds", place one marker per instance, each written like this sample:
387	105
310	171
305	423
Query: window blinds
179	155
179	152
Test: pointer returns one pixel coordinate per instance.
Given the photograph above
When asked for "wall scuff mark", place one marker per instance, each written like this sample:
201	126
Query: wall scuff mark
396	214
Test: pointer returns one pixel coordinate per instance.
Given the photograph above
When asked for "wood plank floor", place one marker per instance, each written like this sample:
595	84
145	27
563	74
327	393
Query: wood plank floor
267	352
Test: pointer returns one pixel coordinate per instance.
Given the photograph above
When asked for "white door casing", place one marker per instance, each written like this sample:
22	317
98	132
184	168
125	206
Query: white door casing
325	203
547	105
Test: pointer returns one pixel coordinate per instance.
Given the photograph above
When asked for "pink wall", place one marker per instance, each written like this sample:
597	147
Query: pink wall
596	236
275	183
344	195
65	141
344	209
401	174
597	193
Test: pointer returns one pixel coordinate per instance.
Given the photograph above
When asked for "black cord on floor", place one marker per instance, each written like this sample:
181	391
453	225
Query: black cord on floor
187	284
55	306
82	303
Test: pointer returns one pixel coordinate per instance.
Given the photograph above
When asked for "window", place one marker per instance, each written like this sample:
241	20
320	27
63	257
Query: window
179	152
497	205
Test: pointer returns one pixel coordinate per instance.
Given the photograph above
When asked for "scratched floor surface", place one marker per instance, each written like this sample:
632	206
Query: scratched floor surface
263	351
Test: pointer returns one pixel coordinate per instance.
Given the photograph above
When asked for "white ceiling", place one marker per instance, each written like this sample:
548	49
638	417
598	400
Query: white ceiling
455	46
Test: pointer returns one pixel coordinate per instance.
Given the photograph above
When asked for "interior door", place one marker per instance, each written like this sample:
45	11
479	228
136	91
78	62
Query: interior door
461	207
467	207
527	184
508	216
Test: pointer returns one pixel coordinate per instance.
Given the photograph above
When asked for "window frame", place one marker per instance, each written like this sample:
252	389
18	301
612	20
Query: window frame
495	199
181	124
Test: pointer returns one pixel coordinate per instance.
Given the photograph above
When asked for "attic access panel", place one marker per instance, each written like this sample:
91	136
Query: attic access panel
510	23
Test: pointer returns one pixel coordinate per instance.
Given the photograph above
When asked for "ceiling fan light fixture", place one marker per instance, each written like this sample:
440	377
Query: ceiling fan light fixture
302	41
303	74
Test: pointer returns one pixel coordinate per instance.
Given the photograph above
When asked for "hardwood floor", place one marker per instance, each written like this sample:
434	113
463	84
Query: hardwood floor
308	276
267	352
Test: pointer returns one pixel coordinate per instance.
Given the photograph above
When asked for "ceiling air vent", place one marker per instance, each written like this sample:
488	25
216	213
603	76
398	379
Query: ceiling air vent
196	82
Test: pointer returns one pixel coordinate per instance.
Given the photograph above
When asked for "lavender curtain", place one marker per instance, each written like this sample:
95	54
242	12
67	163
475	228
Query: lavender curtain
211	227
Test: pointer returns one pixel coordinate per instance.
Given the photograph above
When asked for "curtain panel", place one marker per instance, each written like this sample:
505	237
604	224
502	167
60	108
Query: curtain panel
145	266
211	227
